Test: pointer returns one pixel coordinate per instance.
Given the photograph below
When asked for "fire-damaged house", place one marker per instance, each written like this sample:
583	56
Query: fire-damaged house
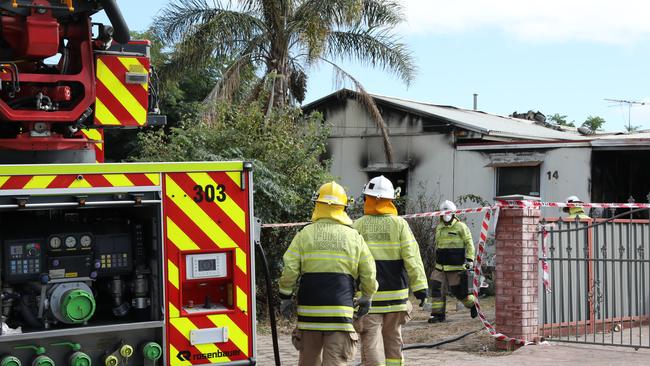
448	152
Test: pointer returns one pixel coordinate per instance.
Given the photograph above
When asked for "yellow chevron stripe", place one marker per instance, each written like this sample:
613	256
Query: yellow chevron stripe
118	180
99	146
184	326
39	182
121	93
134	65
229	207
92	134
104	115
242	300
3	180
236	177
154	178
173	311
172	273
238	337
175	361
240	260
179	238
202	220
80	183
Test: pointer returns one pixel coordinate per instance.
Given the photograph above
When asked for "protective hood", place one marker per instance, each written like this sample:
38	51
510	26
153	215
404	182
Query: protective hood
378	206
334	212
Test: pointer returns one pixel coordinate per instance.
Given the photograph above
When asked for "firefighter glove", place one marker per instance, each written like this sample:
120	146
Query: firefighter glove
364	307
469	264
286	308
421	295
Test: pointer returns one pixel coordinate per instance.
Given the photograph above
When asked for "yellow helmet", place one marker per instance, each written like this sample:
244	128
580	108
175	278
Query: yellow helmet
332	194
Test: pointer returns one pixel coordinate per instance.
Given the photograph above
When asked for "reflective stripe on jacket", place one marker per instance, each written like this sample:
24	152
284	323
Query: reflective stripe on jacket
454	245
398	260
329	258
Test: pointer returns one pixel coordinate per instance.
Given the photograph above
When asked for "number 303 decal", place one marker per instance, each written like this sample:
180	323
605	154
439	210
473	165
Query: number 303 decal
210	193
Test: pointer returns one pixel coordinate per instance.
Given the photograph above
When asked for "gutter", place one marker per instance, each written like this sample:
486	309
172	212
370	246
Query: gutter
522	146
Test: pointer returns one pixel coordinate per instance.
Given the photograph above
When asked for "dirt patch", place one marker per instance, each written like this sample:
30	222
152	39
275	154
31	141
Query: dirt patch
418	330
458	323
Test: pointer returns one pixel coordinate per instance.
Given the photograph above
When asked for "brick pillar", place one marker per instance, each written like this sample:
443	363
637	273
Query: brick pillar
517	272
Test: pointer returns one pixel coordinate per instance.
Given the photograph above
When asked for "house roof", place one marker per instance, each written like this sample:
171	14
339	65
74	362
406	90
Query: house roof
477	121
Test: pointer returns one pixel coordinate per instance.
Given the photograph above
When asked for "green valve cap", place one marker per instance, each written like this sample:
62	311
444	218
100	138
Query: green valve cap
111	361
43	360
77	306
152	351
80	359
10	361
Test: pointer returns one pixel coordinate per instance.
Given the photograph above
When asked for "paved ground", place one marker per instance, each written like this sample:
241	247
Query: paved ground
552	354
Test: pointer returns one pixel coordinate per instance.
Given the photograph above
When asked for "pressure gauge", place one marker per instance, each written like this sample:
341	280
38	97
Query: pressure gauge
70	241
85	241
55	242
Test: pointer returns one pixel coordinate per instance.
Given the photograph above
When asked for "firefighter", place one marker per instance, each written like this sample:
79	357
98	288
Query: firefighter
575	212
330	257
454	257
399	267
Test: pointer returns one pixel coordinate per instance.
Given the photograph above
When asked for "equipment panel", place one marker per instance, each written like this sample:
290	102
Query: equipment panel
23	259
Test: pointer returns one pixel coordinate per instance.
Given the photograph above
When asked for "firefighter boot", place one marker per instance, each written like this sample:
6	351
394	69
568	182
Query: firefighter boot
473	312
437	318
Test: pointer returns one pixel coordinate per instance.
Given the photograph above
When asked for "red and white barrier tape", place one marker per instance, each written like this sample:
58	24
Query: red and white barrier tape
524	204
478	272
546	271
408	216
501	203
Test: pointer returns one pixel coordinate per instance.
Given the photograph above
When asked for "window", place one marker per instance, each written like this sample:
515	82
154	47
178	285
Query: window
518	180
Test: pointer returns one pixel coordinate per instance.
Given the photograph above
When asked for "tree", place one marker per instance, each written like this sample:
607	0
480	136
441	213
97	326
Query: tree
632	129
594	123
283	39
561	120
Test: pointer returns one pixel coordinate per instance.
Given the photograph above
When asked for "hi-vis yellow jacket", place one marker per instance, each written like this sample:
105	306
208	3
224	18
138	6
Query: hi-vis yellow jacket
398	260
329	258
577	212
454	245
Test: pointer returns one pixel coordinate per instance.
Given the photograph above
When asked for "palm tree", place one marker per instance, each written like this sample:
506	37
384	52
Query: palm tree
283	39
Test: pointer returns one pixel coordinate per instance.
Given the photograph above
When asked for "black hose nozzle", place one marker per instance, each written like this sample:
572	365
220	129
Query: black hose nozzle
121	29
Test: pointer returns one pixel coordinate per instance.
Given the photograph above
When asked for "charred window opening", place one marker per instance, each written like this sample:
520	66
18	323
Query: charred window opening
618	175
518	180
398	178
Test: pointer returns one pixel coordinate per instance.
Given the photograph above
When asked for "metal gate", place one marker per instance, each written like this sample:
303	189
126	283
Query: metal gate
598	279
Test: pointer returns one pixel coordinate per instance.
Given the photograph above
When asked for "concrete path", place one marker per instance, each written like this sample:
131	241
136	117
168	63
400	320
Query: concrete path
552	354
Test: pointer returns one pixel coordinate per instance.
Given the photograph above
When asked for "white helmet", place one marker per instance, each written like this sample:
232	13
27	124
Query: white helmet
573	199
448	206
380	187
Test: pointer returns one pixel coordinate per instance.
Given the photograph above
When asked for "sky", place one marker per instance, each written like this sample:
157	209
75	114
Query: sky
554	56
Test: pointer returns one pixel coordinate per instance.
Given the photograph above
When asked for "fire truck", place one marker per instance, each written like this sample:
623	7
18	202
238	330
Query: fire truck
109	263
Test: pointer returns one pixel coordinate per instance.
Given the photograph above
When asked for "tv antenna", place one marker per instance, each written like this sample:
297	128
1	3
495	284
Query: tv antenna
629	103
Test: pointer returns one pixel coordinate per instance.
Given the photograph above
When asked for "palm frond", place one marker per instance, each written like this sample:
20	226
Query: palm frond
377	48
368	102
382	13
183	20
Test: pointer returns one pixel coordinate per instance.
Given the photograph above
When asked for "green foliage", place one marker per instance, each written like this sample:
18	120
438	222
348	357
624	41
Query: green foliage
561	120
594	123
632	129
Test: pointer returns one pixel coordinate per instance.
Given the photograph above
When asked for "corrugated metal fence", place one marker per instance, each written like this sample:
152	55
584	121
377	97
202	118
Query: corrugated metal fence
599	279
